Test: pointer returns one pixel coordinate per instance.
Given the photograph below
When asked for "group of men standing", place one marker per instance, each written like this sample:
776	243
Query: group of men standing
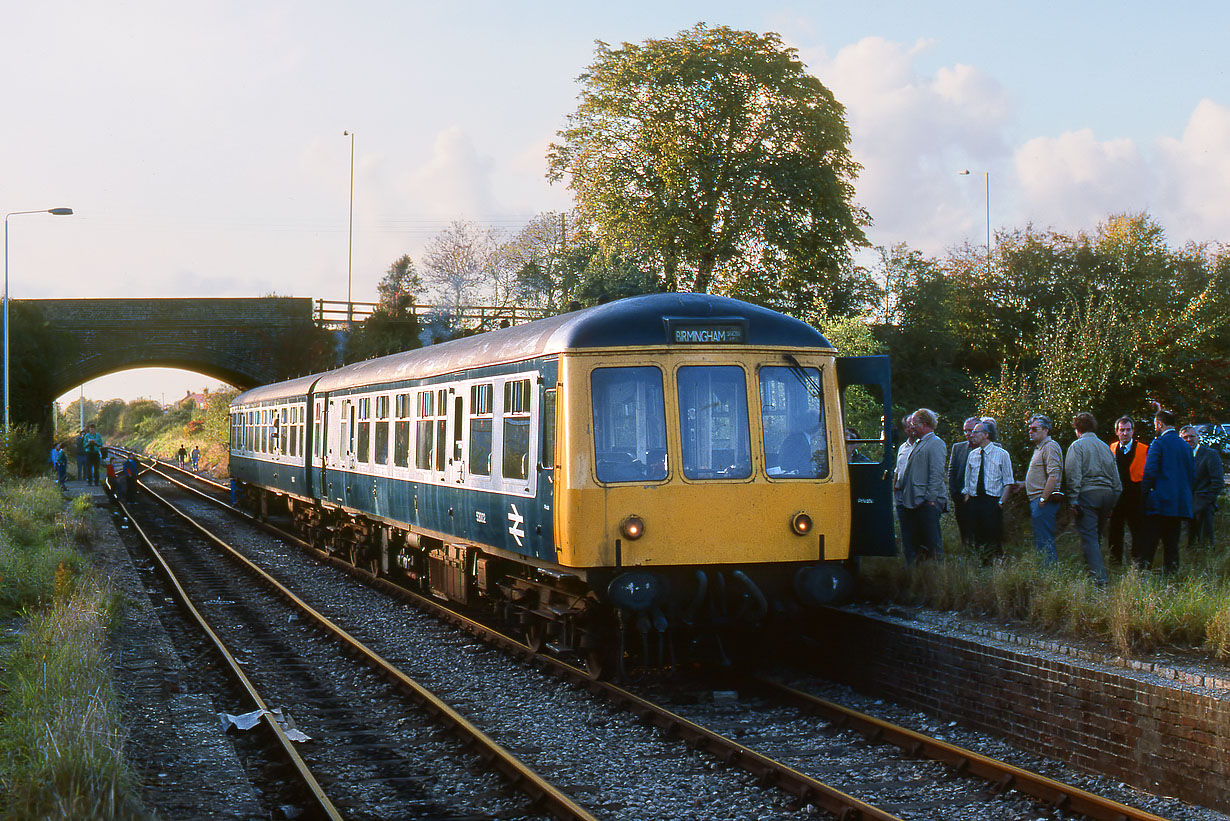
1149	489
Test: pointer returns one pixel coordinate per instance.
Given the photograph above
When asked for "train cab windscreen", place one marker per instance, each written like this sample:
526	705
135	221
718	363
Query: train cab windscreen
792	417
713	422
629	424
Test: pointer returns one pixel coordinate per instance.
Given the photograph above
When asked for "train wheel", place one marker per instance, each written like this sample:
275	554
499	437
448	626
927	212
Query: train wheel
600	663
536	635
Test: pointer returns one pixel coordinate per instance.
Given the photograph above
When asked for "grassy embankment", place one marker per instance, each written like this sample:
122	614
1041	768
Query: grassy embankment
186	425
1136	612
61	742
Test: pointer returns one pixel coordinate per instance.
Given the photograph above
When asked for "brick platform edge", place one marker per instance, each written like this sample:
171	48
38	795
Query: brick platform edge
1158	727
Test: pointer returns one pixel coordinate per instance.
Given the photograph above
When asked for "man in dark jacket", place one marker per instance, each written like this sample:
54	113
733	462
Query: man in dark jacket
1208	484
1167	492
1130	456
957	459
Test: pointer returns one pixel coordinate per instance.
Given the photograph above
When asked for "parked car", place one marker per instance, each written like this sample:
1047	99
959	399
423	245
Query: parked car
1217	436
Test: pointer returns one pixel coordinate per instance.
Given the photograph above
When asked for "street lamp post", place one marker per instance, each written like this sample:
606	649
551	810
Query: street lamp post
59	212
965	173
350	250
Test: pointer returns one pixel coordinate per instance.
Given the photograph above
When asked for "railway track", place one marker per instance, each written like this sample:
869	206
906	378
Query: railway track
802	754
370	755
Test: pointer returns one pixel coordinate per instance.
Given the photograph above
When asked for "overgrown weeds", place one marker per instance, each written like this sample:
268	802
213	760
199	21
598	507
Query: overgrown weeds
61	743
1135	612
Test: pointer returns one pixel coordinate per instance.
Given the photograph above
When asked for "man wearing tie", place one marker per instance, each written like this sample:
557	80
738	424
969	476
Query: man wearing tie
988	484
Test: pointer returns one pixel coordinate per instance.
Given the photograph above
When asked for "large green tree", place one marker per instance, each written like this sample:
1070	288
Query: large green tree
717	155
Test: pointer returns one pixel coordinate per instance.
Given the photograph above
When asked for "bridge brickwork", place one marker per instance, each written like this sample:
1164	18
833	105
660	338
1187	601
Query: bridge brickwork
233	340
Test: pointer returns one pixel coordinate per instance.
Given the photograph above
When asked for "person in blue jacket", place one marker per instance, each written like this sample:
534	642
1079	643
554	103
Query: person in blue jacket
1166	491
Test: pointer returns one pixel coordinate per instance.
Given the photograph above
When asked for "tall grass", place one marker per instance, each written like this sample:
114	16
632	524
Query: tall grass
61	743
1135	612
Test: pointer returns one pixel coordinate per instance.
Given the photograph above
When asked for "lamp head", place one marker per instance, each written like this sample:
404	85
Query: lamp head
964	173
60	212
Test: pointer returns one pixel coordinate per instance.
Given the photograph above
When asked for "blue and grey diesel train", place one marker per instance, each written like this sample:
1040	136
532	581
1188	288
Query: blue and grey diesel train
616	480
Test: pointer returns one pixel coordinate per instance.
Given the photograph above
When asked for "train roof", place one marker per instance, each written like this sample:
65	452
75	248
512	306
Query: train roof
652	320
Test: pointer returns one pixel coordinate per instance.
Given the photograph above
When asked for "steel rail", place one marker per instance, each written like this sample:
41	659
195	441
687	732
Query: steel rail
1005	776
540	791
767	770
300	766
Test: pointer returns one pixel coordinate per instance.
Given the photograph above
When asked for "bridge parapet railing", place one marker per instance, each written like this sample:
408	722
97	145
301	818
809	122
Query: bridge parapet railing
332	313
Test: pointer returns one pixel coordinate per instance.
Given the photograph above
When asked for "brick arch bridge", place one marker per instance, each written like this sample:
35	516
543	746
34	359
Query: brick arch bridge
233	340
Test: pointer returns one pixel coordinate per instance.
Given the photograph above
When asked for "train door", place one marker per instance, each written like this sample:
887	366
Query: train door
866	403
315	441
456	473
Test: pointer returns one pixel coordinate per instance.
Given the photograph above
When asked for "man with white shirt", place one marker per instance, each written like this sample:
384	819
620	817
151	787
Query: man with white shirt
988	484
903	457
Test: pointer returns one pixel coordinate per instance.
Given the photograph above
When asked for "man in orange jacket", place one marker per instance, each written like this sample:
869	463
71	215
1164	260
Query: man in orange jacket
1130	459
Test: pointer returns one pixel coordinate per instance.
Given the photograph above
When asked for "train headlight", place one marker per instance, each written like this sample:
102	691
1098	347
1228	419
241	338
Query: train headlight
801	524
632	528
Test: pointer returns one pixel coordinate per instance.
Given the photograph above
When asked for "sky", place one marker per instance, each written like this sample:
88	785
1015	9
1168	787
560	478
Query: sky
201	145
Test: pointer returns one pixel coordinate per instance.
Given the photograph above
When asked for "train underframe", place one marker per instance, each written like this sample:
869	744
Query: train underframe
619	621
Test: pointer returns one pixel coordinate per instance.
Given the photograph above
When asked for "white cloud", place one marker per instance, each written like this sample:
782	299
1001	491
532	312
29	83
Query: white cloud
912	132
1195	173
1074	181
456	181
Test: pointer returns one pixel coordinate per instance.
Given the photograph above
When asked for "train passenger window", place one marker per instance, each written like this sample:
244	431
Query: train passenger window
364	450
516	456
423	430
480	429
792	417
629	424
713	422
382	442
401	430
381	426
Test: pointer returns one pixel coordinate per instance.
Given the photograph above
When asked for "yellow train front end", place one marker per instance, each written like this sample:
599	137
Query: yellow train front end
707	486
699	447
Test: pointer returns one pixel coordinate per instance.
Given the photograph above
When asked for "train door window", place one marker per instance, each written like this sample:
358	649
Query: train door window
401	431
792	419
442	429
264	447
516	431
480	429
425	430
275	431
365	430
713	422
629	424
346	434
319	414
862	408
292	432
381	445
548	429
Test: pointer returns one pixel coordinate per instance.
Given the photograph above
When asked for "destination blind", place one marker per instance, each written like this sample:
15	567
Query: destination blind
707	334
